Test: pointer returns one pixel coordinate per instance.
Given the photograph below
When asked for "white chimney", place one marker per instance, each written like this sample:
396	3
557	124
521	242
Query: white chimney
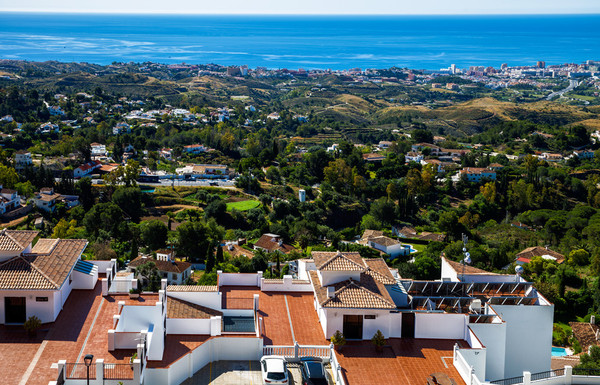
330	291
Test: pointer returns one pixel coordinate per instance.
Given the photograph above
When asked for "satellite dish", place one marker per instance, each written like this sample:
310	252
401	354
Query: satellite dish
464	249
519	269
467	259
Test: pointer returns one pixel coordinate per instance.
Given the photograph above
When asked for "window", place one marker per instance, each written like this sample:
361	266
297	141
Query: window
370	316
41	299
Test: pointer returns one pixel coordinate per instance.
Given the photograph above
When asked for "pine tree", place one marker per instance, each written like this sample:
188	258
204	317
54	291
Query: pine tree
219	254
210	260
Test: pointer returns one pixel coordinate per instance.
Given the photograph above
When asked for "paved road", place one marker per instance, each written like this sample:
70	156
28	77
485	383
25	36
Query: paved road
229	184
572	85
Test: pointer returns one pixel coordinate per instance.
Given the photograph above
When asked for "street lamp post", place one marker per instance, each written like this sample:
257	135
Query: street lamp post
88	361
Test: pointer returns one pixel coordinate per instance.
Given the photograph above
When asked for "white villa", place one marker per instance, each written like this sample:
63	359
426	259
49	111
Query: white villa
492	326
9	200
36	280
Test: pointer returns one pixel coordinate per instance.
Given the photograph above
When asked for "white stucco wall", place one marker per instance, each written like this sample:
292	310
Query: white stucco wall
331	277
188	326
390	324
286	284
215	349
493	337
210	299
440	326
43	310
304	266
239	279
528	338
448	272
84	281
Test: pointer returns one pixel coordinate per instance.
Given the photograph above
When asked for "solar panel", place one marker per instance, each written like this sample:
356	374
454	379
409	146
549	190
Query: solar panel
84	267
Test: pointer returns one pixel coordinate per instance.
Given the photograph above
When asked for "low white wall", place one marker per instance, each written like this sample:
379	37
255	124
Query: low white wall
476	359
84	281
440	326
188	326
390	324
304	266
126	340
238	312
239	279
493	337
102	265
286	284
215	349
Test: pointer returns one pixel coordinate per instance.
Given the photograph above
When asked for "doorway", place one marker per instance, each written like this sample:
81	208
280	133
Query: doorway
353	327
408	325
15	311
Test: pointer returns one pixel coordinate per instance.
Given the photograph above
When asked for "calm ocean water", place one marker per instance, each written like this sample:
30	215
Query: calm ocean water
336	42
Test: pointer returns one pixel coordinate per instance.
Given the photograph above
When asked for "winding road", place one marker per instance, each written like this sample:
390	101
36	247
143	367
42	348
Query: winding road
572	85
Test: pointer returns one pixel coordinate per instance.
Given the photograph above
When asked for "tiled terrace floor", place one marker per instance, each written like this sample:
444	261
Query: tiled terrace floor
302	317
272	308
238	297
65	338
404	361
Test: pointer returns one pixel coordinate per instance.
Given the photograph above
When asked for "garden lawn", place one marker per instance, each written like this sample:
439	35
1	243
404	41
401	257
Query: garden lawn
242	205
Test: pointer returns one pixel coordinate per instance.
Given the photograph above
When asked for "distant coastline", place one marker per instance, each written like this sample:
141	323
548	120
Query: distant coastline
302	41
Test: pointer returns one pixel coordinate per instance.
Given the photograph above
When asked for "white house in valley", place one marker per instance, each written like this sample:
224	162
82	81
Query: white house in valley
9	200
22	160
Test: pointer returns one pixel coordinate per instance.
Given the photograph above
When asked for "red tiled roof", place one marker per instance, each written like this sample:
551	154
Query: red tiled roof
458	267
46	270
178	308
337	261
379	270
367	293
538	251
191	288
271	243
16	240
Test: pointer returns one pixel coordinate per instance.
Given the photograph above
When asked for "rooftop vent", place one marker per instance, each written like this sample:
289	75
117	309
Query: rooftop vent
330	291
475	306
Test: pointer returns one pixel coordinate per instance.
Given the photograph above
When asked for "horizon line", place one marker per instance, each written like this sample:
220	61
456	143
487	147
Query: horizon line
193	13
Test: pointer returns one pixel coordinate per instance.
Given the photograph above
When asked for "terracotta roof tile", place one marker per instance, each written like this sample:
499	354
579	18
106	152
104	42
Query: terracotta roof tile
338	261
18	274
538	251
191	288
367	293
42	271
44	246
178	308
379	270
16	240
458	267
271	243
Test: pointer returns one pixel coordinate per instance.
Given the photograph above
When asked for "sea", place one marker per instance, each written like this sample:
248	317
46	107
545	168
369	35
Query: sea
308	42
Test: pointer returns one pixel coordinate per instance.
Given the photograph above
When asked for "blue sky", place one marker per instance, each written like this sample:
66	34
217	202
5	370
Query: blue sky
309	6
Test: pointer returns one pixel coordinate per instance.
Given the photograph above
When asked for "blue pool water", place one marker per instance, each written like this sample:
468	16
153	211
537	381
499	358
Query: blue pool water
336	42
558	352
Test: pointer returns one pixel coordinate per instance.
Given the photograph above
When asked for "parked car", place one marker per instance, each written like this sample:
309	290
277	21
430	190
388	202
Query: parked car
313	372
274	370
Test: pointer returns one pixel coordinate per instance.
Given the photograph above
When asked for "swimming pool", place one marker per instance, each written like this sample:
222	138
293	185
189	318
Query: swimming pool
559	352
